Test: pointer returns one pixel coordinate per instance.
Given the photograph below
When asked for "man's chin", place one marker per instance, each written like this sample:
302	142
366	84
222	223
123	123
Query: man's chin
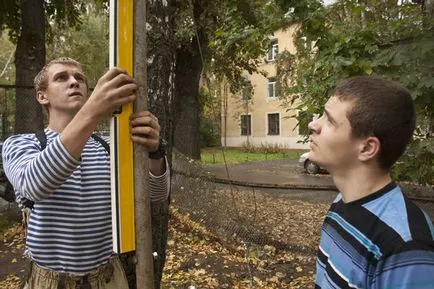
312	156
315	159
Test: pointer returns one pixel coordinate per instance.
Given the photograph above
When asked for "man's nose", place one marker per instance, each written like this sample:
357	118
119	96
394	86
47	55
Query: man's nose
314	126
73	82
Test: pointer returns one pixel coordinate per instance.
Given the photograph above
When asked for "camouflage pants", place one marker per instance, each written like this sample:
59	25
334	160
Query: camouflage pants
109	276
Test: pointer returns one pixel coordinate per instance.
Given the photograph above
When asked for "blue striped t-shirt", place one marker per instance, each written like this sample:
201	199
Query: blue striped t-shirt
382	241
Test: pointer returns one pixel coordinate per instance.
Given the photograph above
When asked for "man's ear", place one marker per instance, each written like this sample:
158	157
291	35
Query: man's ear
369	148
41	97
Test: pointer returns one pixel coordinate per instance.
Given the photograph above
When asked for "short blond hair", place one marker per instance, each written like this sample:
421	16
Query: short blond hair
41	80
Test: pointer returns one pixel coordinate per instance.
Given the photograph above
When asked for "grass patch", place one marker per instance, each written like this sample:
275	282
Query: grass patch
236	156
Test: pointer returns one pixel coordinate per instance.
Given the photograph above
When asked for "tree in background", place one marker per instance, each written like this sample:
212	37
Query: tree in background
86	42
160	70
220	38
29	59
26	22
367	37
7	77
7	67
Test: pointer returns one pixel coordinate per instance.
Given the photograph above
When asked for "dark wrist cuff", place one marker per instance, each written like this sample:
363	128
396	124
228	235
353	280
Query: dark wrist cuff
161	150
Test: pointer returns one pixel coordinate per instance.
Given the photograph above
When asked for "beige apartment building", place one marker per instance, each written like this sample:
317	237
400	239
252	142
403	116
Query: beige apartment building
262	121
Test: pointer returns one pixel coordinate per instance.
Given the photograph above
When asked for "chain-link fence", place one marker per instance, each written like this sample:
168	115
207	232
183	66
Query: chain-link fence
7	111
275	234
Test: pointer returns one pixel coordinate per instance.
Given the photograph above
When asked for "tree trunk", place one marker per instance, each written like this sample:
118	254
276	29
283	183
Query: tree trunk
161	55
161	50
429	8
186	104
29	60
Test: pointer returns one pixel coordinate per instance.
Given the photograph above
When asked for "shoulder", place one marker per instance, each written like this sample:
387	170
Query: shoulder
20	141
397	212
407	268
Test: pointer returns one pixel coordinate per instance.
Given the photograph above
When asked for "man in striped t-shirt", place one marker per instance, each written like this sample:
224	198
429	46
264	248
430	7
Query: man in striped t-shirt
373	236
69	238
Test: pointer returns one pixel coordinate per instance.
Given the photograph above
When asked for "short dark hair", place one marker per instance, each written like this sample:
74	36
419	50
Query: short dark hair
41	80
381	108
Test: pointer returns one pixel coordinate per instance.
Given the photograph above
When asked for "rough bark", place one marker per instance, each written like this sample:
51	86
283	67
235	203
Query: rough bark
186	103
160	94
29	60
161	51
429	8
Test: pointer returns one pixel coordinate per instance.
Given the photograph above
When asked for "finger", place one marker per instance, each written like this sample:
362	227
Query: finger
141	114
145	121
124	91
147	131
112	73
150	144
123	100
120	80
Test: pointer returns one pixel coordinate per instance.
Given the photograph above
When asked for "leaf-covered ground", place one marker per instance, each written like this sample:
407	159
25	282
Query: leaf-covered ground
12	262
197	258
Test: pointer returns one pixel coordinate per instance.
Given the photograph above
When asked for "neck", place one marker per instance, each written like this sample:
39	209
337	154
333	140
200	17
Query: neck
58	121
358	183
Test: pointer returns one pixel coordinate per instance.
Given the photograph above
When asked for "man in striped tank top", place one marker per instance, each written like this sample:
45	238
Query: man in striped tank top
69	238
373	236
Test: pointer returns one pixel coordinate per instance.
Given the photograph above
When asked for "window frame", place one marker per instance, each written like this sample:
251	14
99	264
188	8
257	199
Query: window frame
272	81
273	50
269	131
249	124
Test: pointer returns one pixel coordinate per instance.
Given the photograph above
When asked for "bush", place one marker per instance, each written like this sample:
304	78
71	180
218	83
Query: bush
209	133
268	148
416	165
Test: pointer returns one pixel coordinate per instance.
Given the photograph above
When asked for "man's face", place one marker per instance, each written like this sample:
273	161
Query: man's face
66	90
331	143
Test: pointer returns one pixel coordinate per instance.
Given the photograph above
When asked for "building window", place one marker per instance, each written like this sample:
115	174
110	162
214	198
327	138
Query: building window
306	44
273	124
246	124
272	87
273	50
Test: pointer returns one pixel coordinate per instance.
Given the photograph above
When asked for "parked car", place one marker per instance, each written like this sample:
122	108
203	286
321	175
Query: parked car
309	166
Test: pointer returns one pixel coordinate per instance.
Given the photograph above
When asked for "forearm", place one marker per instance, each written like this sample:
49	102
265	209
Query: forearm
157	167
78	131
159	185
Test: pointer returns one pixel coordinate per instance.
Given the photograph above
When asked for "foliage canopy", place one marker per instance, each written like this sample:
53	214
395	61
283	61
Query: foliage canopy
349	38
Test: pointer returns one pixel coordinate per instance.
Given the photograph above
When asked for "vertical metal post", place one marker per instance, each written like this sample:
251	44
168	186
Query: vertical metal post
142	204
